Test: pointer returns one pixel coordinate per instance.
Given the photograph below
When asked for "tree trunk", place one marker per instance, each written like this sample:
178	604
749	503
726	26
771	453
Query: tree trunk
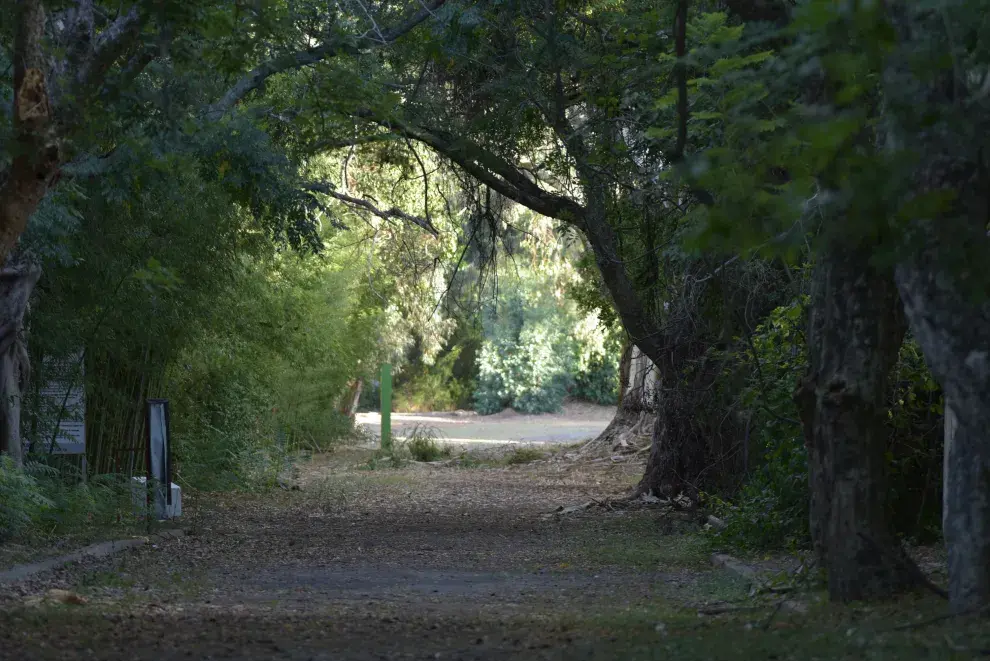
682	452
36	152
631	427
953	330
855	331
17	281
940	115
356	399
10	409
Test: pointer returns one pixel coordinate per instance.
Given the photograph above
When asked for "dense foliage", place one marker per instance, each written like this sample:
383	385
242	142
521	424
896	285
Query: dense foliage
770	510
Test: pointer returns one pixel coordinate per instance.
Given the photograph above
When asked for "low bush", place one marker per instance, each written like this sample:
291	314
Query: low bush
424	445
46	500
433	387
396	457
23	500
524	455
539	349
599	382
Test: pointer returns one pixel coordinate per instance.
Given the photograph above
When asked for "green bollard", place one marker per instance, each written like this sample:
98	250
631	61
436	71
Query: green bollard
386	407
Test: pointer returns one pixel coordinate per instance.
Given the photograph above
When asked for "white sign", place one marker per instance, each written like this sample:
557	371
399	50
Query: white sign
64	401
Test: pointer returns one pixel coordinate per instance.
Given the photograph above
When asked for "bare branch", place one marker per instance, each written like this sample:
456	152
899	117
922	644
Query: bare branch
394	212
290	61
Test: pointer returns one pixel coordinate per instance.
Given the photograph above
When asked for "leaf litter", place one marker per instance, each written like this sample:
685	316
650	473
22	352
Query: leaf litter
422	562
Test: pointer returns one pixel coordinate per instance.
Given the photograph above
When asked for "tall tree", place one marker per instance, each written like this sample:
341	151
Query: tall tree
937	113
794	161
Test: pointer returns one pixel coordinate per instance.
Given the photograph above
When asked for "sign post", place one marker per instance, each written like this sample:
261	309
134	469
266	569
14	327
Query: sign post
386	407
64	398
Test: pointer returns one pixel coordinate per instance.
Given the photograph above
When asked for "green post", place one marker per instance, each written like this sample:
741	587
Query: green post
386	407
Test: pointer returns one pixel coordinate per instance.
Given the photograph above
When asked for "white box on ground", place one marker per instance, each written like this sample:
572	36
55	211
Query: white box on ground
139	497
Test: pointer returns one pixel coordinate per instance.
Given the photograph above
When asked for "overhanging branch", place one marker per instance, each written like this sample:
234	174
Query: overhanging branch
290	61
490	169
330	145
394	212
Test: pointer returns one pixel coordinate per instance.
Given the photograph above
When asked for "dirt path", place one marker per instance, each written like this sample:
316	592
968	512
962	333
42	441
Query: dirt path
576	423
423	562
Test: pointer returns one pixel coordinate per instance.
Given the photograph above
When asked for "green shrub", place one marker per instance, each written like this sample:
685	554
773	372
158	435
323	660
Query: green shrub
423	444
102	501
433	387
539	348
771	509
491	395
528	358
231	459
524	455
599	383
43	499
23	501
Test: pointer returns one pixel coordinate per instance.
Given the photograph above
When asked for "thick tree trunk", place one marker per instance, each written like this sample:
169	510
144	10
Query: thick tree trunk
632	425
941	115
953	330
17	281
665	476
683	455
855	331
36	153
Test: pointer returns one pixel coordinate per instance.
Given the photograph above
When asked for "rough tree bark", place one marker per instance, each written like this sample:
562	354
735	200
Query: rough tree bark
953	330
35	149
856	328
685	450
942	115
17	281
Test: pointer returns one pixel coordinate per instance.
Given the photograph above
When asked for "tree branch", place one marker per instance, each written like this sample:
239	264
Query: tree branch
491	170
330	145
81	31
254	78
591	218
394	212
112	43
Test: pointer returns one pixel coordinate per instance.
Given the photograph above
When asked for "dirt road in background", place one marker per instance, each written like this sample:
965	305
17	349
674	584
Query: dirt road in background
576	423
